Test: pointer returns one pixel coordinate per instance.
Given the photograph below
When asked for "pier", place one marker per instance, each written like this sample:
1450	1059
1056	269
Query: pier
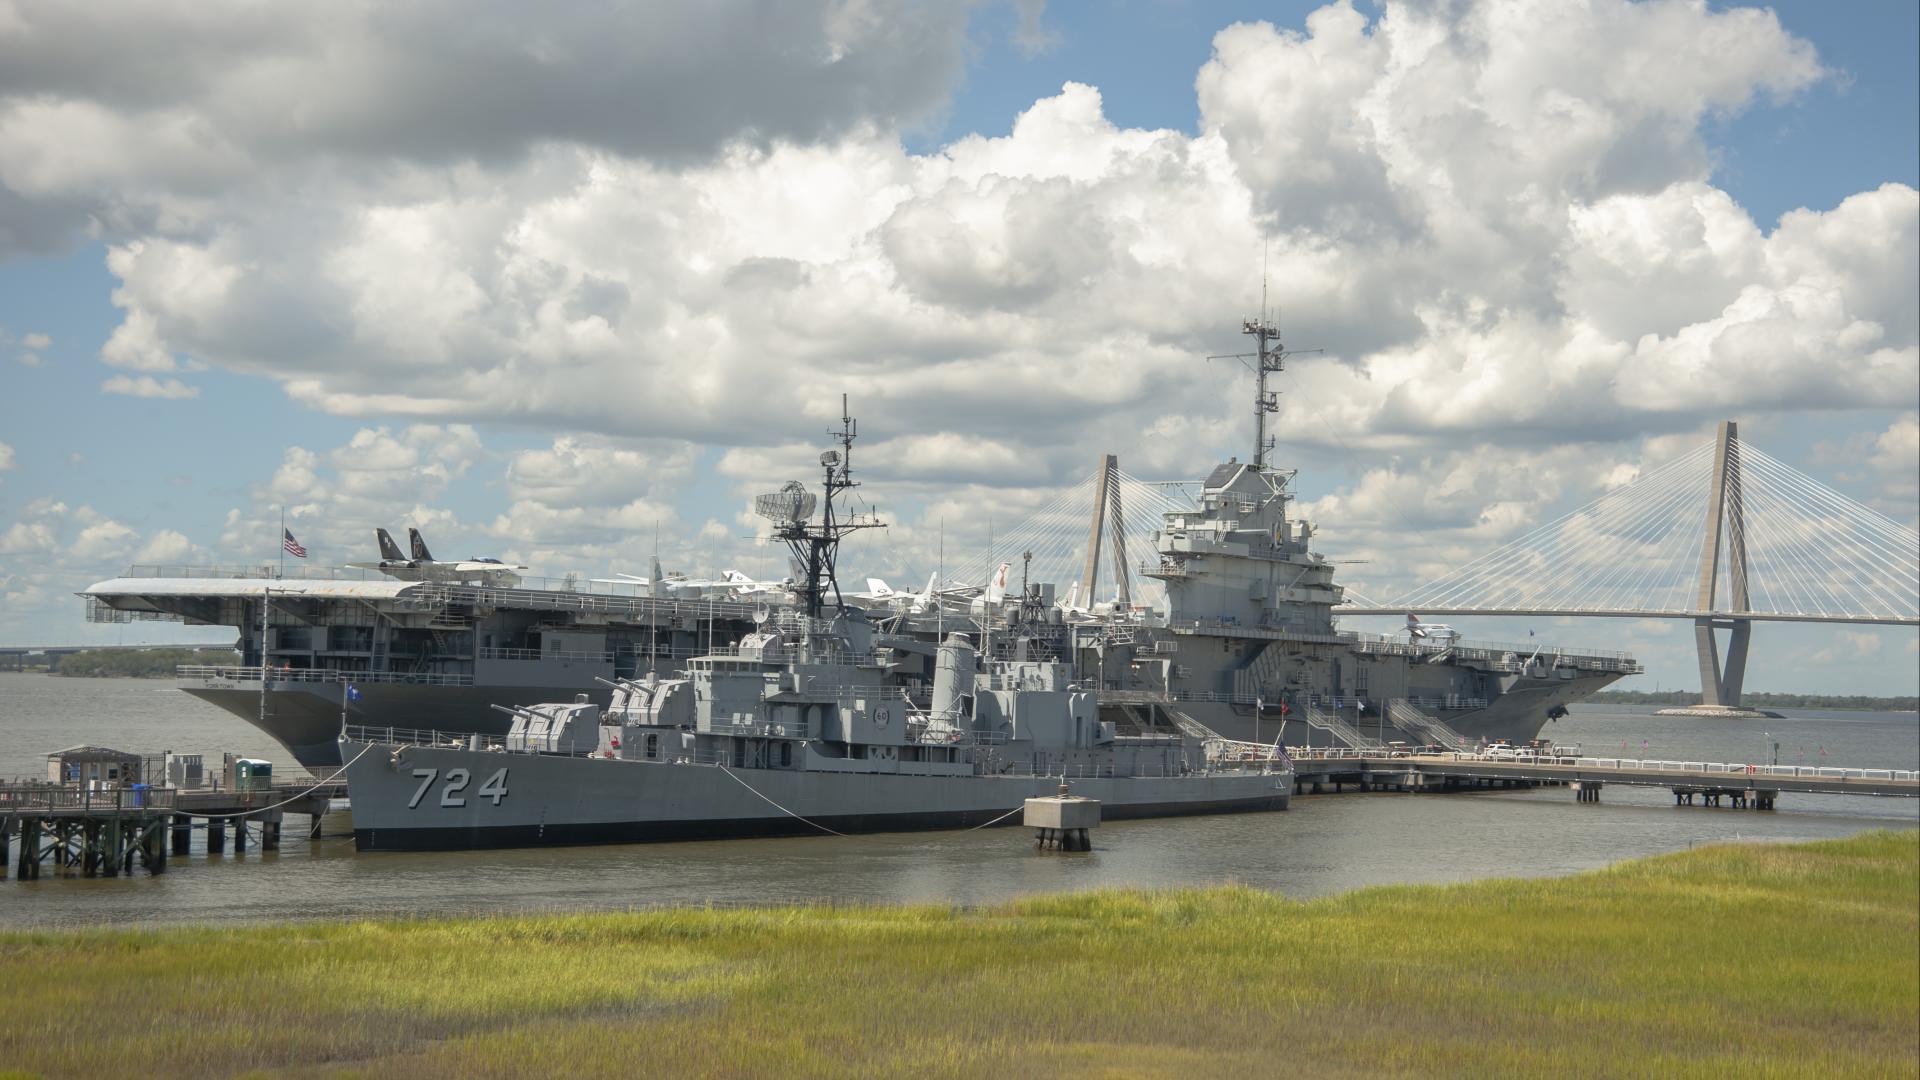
1746	786
111	831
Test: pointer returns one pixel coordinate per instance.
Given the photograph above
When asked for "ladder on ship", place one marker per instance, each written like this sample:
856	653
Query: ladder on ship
1430	729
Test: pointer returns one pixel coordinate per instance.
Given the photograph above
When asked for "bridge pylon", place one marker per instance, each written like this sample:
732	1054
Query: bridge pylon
1725	521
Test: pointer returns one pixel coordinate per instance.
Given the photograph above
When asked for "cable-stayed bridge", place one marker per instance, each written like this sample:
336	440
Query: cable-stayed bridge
1085	535
1725	535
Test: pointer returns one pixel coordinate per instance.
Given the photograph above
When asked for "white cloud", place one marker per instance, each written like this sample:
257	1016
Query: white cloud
167	546
147	386
6	457
95	125
36	341
27	537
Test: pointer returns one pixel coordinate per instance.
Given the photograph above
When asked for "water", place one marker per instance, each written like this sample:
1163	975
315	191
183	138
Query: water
1325	844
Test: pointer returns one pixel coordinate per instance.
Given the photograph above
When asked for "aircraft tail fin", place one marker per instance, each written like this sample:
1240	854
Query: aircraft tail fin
878	589
420	551
997	589
389	551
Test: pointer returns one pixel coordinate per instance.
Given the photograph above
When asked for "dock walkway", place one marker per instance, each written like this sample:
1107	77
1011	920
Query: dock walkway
1746	784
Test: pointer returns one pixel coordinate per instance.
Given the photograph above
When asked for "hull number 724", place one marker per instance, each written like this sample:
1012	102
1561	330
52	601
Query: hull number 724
452	792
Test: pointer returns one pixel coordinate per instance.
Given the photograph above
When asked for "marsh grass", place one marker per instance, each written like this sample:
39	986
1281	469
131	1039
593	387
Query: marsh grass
1749	960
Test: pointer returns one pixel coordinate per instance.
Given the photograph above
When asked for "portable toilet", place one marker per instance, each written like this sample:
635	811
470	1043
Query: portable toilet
252	774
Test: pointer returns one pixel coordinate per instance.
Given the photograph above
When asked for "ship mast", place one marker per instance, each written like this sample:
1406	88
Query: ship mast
817	547
1269	360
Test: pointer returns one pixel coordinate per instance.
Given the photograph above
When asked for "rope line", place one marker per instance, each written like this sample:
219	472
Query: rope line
296	798
801	817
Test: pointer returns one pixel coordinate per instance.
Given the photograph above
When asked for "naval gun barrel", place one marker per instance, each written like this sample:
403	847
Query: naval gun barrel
515	710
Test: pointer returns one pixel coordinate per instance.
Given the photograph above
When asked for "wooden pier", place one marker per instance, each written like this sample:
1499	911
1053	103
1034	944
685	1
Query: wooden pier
94	832
111	831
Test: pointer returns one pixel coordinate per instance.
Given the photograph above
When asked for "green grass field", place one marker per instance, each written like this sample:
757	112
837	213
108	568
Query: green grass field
1739	960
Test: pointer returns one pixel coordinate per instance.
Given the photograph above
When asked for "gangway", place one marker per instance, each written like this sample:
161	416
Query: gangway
1338	728
1431	730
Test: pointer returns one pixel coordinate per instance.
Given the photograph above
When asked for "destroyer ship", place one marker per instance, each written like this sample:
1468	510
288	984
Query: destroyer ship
808	725
1247	643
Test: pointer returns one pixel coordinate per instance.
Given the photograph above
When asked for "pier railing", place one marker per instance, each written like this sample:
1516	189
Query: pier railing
20	799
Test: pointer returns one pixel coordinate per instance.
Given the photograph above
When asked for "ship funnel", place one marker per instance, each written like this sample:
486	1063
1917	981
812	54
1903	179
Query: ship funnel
953	678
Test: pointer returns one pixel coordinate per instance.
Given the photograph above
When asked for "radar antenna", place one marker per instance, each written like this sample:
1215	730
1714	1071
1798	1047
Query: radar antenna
816	547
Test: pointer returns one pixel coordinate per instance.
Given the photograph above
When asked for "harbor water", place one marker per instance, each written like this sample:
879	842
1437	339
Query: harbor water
1325	844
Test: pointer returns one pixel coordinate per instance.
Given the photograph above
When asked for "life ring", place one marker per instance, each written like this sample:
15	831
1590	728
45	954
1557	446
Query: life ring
616	742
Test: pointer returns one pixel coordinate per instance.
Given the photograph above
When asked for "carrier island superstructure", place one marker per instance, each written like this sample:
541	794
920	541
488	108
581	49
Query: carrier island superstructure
1247	644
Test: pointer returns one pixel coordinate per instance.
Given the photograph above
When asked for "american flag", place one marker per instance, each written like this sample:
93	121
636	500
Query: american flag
291	545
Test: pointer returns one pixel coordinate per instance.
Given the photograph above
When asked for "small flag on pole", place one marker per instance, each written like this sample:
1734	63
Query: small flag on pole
353	692
291	546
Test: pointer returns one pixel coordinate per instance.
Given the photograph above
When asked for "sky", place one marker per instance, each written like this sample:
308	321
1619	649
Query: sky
559	286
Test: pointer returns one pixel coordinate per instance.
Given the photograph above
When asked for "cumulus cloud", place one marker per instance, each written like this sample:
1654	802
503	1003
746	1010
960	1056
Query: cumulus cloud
147	386
6	457
147	114
1489	224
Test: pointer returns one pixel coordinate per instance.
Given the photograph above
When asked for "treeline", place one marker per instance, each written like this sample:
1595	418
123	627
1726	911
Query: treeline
139	663
1762	701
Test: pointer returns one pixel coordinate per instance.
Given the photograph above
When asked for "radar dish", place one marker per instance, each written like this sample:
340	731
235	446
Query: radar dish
792	504
830	459
761	613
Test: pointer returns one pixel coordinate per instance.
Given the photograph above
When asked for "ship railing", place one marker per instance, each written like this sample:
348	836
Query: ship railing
465	740
788	655
66	797
493	653
212	674
1164	568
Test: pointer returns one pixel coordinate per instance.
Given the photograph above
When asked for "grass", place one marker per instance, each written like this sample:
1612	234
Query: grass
1741	960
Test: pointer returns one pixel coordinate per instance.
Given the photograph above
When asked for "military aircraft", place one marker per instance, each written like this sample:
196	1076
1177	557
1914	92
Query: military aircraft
1439	633
422	566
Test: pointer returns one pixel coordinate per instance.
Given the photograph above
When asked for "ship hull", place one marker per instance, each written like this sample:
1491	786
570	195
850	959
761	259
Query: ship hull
556	801
305	718
1519	714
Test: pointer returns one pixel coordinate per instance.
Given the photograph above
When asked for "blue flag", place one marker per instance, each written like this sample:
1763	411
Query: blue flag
353	692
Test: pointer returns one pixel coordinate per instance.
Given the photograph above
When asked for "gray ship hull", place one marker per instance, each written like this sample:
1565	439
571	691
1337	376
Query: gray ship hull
1520	714
410	804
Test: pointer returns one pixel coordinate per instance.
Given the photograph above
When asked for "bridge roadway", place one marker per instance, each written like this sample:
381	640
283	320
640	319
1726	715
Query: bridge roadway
1590	774
1630	613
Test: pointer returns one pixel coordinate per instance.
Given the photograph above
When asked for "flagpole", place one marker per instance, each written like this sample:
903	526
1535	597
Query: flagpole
283	542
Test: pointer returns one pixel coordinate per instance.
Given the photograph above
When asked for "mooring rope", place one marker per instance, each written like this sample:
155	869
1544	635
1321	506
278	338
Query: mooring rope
836	832
295	798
